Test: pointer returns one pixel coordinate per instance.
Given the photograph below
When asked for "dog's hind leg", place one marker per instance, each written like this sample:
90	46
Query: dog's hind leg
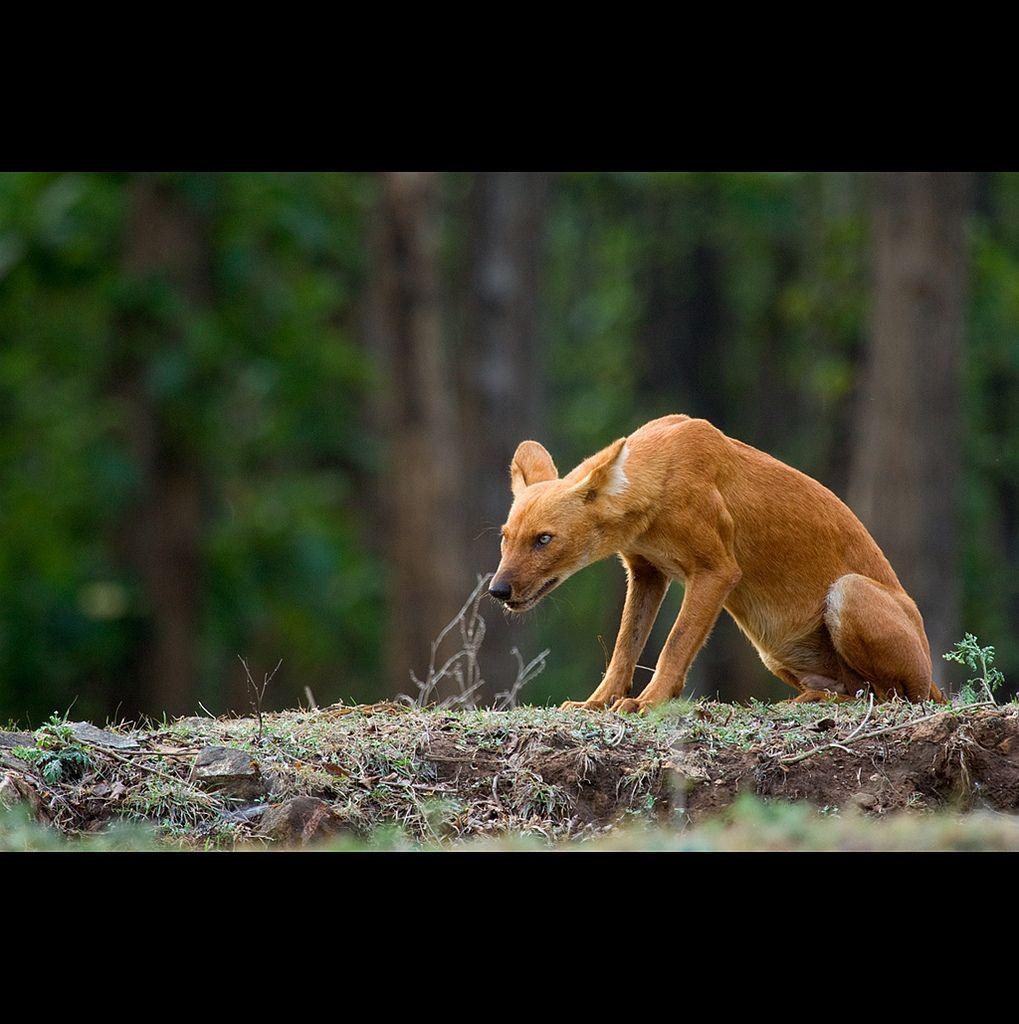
878	632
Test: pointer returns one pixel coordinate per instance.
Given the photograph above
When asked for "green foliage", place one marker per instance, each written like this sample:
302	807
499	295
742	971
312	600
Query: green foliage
56	755
991	400
977	659
260	385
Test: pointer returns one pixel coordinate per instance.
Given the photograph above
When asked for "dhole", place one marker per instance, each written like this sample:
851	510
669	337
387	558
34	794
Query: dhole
677	499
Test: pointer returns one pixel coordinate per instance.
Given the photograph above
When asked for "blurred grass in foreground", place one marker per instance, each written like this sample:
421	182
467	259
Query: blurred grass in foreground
748	825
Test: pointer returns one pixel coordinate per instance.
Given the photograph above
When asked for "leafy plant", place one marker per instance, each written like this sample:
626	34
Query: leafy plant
978	659
56	755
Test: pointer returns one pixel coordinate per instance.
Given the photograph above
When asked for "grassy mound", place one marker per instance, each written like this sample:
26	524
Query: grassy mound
387	775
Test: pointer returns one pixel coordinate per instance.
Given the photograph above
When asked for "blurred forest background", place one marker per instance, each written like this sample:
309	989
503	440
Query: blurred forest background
271	415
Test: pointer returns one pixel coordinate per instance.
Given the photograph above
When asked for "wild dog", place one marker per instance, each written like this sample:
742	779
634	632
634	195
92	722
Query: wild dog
785	557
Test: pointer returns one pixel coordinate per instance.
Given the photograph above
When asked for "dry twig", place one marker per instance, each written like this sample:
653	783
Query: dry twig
507	699
463	665
256	694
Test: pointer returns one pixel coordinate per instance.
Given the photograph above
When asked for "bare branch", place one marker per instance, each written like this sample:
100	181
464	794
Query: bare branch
525	673
256	694
463	666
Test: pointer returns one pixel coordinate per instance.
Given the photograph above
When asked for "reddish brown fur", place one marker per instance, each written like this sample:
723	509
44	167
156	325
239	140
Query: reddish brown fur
678	500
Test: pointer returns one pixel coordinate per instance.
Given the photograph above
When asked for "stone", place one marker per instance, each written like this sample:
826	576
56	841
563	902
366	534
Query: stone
300	821
229	772
17	739
89	733
865	801
246	814
15	790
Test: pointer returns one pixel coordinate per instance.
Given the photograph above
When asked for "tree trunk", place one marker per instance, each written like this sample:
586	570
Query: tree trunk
906	468
165	244
681	348
680	336
499	386
422	512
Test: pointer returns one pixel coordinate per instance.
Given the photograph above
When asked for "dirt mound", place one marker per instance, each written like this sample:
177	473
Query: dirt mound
966	760
445	775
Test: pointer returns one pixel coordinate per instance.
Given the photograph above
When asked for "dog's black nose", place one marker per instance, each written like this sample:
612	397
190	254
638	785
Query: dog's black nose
500	591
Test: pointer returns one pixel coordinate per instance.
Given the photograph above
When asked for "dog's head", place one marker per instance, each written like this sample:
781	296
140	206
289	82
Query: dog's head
554	525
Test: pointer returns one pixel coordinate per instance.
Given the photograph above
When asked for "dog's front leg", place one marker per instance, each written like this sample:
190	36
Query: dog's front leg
705	594
645	591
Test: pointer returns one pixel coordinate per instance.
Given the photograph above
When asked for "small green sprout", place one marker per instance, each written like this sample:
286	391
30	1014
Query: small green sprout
978	659
56	755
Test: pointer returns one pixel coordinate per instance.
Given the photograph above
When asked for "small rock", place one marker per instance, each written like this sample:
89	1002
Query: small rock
10	791
17	739
15	790
865	801
246	813
228	771
300	821
108	791
88	733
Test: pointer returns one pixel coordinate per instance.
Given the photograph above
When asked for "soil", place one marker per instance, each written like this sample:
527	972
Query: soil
962	761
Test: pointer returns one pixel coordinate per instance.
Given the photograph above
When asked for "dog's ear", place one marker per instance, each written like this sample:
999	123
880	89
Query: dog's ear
531	464
606	472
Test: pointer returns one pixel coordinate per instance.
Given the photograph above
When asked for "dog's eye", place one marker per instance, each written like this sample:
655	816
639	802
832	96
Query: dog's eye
542	539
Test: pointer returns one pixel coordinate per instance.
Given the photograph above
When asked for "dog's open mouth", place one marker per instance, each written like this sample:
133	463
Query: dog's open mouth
519	606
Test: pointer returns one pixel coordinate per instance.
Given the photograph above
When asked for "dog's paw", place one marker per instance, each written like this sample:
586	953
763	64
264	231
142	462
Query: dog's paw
627	706
582	705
